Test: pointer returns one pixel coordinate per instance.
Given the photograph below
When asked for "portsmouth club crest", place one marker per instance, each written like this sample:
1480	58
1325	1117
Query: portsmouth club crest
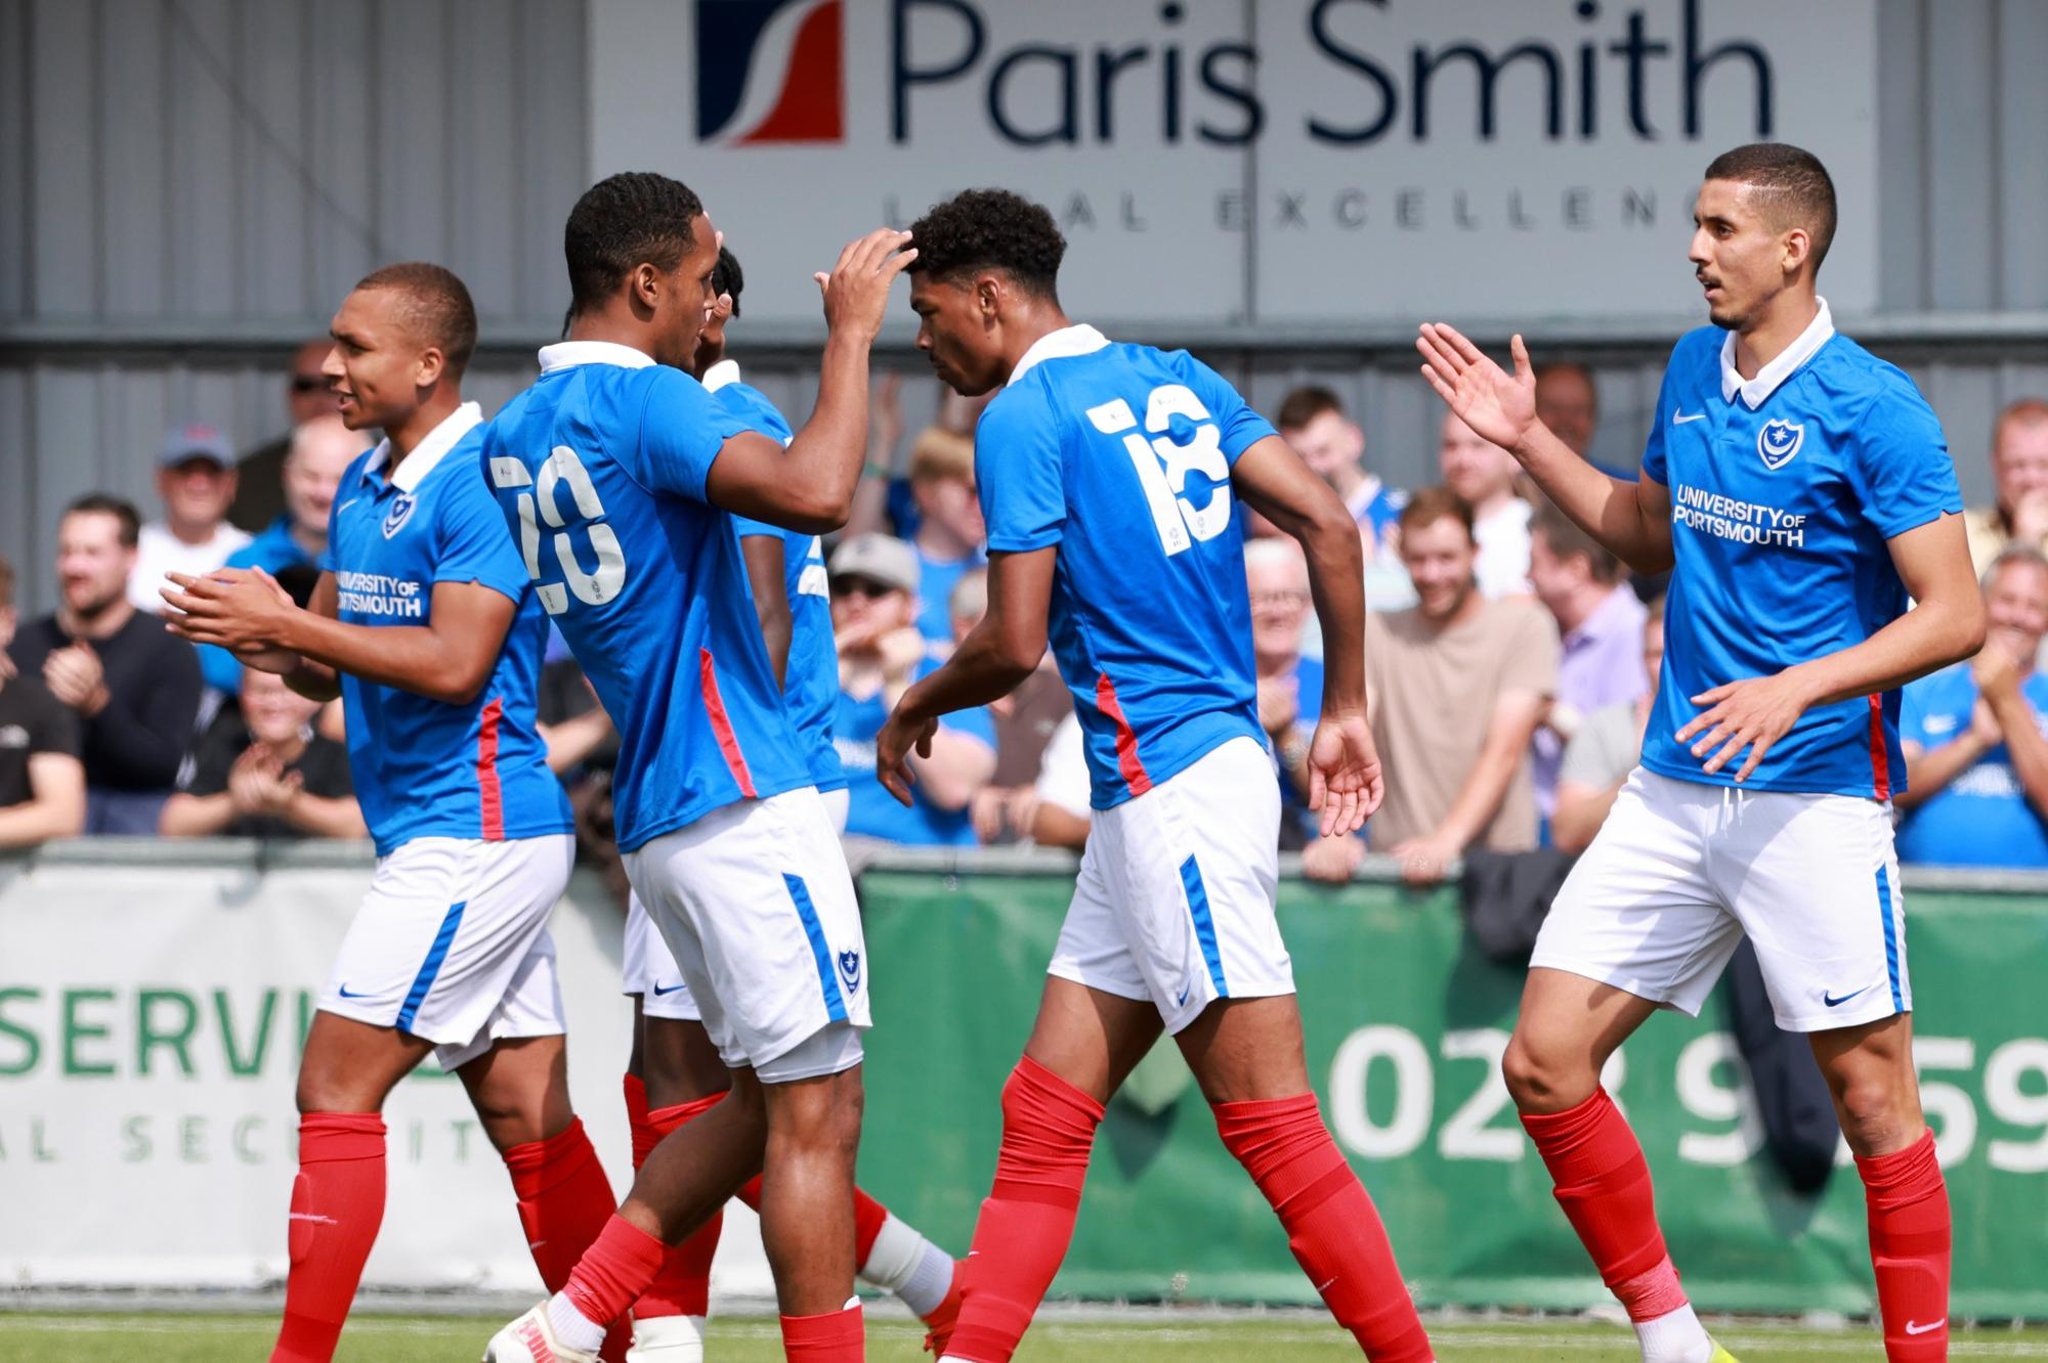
849	970
400	512
1778	441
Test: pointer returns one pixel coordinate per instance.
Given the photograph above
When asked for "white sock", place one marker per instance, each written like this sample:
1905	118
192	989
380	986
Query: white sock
572	1327
904	1262
1675	1337
672	1339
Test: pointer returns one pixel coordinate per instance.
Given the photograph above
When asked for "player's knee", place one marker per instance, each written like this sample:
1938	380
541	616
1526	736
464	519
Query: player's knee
1875	1112
1541	1080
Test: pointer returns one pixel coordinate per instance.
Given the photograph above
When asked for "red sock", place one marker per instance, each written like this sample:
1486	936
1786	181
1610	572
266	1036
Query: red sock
614	1272
683	1286
564	1201
337	1205
1028	1219
1332	1226
1603	1184
835	1337
1909	1247
868	1216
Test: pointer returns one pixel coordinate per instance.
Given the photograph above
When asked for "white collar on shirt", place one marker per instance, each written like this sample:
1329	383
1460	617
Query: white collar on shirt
568	354
414	468
1063	344
1767	379
720	374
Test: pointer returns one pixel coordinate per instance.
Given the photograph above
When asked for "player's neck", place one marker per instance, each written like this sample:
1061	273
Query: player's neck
1037	321
1768	336
405	436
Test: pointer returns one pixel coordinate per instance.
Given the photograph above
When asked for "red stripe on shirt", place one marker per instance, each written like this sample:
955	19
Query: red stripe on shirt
1880	763
721	724
1128	763
487	770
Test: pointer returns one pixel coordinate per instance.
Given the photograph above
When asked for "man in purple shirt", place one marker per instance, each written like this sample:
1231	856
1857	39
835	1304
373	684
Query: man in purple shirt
1601	626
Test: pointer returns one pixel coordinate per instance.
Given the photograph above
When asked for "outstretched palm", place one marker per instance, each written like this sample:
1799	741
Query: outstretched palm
1498	405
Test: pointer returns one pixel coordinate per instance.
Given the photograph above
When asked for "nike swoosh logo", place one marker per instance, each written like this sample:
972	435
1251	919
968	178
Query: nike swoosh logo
312	1216
1831	1001
343	991
1680	418
1183	997
1915	1328
659	991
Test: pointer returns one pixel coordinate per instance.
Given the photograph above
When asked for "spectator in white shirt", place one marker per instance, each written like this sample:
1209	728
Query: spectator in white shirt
1483	475
196	480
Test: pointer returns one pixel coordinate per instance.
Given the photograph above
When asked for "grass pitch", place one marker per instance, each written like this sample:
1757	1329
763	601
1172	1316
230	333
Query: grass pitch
78	1338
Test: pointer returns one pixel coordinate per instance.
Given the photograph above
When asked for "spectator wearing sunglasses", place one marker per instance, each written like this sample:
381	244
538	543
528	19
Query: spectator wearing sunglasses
259	495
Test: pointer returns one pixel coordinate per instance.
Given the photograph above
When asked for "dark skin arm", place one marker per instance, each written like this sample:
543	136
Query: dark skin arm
994	658
765	568
810	484
1344	779
448	659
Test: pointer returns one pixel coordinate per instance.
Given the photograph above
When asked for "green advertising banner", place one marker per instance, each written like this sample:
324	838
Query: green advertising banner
1406	1023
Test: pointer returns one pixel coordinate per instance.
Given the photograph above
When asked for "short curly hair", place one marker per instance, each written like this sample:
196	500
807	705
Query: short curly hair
622	221
435	304
728	278
982	229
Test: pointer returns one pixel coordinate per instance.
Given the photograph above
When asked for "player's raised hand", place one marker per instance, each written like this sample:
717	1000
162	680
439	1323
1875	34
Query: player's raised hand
1753	713
892	751
1498	405
856	292
1344	781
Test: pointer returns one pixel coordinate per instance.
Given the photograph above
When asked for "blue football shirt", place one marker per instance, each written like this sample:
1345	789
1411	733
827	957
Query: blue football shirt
1982	817
871	811
1120	455
424	768
1784	491
810	678
599	470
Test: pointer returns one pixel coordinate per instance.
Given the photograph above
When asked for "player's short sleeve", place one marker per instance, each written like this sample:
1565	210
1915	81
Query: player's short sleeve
1902	464
1020	472
473	543
1241	427
751	407
52	725
682	429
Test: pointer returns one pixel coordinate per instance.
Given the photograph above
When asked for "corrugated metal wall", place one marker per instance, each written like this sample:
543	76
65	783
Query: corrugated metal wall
187	187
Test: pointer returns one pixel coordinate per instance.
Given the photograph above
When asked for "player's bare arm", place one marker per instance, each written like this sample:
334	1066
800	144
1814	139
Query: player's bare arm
810	484
992	661
1933	561
1345	784
1633	519
449	659
765	567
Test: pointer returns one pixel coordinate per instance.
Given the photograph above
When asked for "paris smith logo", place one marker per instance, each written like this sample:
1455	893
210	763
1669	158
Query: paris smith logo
771	71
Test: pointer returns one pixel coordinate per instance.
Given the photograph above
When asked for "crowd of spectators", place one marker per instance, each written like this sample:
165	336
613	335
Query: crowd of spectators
1511	658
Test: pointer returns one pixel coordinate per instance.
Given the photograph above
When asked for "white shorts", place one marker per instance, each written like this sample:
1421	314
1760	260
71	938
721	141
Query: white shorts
1175	897
650	967
451	944
756	905
1682	870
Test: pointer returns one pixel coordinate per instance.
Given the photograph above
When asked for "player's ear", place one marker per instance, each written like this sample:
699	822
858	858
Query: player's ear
988	295
429	367
1798	247
643	285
